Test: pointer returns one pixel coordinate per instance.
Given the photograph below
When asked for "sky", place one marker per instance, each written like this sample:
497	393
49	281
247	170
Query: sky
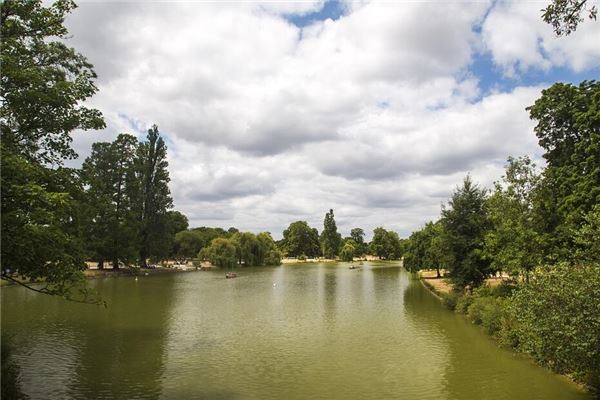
275	111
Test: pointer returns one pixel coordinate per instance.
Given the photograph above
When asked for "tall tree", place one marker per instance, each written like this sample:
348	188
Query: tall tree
465	224
110	173
155	196
43	86
330	238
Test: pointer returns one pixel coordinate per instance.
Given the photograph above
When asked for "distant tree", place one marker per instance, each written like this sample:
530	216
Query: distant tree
248	249
358	235
565	15
513	244
385	244
330	238
269	254
300	239
465	223
188	243
377	247
348	250
221	252
155	196
43	86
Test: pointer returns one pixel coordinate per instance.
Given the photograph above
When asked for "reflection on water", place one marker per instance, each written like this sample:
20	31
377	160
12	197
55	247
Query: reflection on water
297	331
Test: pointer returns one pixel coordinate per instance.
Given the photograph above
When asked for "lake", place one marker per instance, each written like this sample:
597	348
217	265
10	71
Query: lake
306	331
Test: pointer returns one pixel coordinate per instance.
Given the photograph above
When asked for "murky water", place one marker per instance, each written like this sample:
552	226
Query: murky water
293	332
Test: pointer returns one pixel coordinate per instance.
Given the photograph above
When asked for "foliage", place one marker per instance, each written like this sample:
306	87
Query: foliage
249	250
221	252
587	238
559	319
43	85
358	236
155	196
112	196
348	250
465	224
300	239
568	120
513	244
565	15
385	244
330	238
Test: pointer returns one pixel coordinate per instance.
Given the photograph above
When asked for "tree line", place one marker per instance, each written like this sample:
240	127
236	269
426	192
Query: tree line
299	241
540	226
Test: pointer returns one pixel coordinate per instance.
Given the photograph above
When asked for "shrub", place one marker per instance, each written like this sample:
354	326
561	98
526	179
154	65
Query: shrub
463	303
558	319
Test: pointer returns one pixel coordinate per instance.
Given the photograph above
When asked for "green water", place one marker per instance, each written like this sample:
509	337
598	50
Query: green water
291	332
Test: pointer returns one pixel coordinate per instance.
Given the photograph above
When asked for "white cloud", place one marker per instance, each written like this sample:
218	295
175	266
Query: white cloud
374	114
519	40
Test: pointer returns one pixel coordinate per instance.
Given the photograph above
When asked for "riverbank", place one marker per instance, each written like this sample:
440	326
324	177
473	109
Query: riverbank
498	307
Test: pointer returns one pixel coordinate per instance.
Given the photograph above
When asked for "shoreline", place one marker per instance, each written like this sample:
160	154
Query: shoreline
442	293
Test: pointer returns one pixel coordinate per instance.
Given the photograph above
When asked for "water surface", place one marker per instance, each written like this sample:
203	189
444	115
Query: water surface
308	331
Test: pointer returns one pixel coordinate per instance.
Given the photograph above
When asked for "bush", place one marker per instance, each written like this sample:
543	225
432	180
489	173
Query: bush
463	303
449	300
558	319
273	258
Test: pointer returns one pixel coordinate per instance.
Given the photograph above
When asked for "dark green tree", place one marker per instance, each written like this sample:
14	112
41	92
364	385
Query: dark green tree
155	196
113	195
300	239
43	86
358	235
568	129
465	223
330	238
348	250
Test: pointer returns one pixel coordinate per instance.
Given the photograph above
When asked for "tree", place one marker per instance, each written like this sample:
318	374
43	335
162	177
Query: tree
330	238
248	249
300	239
513	244
44	83
348	250
43	86
568	120
565	15
269	254
155	196
221	252
385	244
113	195
587	238
188	243
465	223
358	235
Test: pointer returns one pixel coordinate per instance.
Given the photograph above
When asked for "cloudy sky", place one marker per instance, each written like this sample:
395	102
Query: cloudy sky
278	111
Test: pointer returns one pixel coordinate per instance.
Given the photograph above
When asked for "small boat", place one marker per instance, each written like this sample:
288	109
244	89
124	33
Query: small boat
230	275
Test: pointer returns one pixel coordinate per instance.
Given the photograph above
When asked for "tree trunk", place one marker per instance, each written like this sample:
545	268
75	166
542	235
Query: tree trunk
115	263
437	270
101	264
143	258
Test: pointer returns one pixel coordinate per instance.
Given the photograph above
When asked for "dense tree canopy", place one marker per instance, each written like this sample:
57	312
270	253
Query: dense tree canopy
300	239
385	244
43	84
